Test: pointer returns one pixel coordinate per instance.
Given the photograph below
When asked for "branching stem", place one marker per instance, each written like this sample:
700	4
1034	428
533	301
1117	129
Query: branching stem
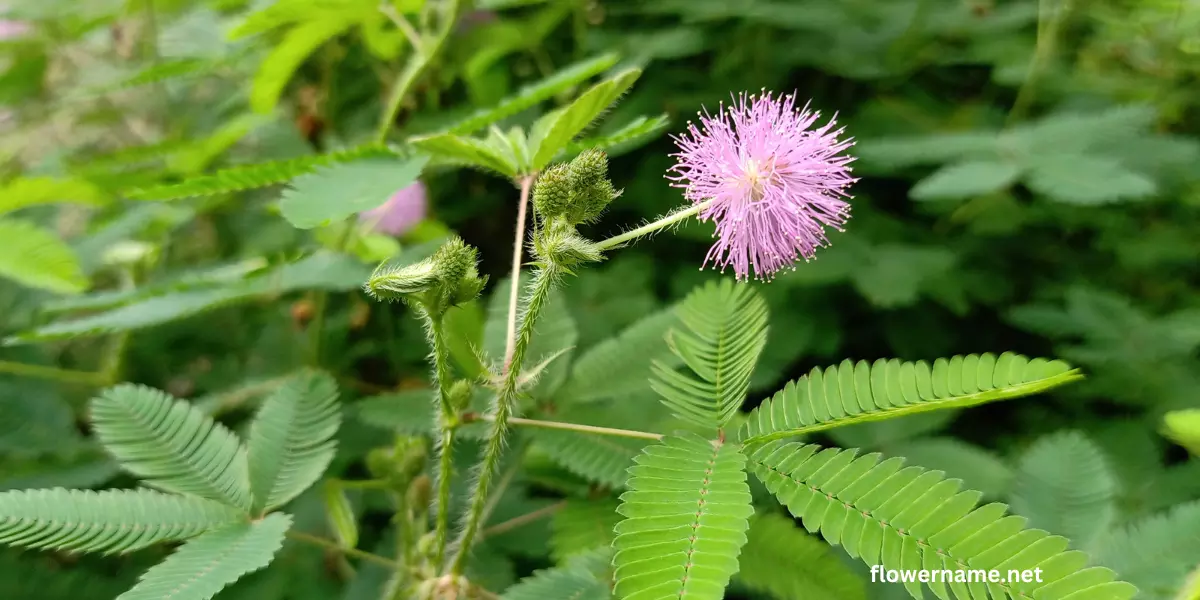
543	282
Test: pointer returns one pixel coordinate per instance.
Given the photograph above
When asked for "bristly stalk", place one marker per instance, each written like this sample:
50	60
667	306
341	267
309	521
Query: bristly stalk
446	422
510	335
544	279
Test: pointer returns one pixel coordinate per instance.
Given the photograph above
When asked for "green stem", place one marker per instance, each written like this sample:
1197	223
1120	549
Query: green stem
649	228
64	375
300	536
1047	42
522	520
416	66
510	336
543	282
609	431
446	422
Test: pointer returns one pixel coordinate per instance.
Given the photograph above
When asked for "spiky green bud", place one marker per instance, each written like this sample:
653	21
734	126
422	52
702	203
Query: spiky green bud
459	395
559	243
552	192
447	278
588	169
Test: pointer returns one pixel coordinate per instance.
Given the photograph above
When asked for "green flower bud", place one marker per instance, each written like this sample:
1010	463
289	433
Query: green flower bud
379	462
588	169
411	455
559	243
391	283
552	192
420	491
447	278
460	395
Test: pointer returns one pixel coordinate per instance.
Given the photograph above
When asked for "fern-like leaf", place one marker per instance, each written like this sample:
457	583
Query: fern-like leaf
292	439
912	518
38	258
597	458
724	331
1156	553
171	445
686	516
630	354
204	566
782	560
245	177
32	191
633	134
1064	485
855	393
112	521
584	577
530	96
582	526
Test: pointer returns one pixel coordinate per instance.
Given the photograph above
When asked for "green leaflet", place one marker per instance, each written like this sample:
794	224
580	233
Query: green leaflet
553	132
781	559
629	137
171	445
584	577
724	331
1063	484
583	525
32	191
912	518
292	439
1183	428
1156	553
531	95
966	179
205	565
493	153
37	258
111	521
629	354
245	177
600	459
335	192
855	393
686	517
275	72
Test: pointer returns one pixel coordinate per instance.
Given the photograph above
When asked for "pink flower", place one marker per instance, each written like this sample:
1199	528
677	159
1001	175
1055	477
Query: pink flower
11	29
775	184
400	213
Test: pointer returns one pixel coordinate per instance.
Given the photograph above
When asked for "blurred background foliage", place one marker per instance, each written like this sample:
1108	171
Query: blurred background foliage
1029	183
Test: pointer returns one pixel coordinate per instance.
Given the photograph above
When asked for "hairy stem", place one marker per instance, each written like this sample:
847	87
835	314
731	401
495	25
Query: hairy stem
510	336
664	222
520	422
446	422
418	64
543	282
300	536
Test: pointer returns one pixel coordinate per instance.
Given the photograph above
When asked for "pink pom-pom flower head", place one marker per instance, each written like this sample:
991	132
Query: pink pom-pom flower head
403	211
775	182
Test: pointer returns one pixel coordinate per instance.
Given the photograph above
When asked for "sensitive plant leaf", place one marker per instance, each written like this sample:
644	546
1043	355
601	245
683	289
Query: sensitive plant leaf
33	191
584	577
333	193
966	180
859	392
686	517
979	469
319	271
582	526
1080	179
205	565
1183	428
291	440
938	148
629	137
468	152
37	258
111	521
784	561
532	95
277	69
554	332
1064	485
171	445
1156	553
288	12
600	459
911	518
563	125
245	177
630	354
411	412
724	331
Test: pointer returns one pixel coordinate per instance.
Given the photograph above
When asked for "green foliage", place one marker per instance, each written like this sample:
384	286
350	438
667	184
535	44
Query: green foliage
171	445
910	518
630	353
784	561
336	192
1183	428
1157	553
33	191
860	392
582	526
218	558
291	442
286	57
555	131
114	521
686	515
724	330
245	177
37	258
1063	485
580	579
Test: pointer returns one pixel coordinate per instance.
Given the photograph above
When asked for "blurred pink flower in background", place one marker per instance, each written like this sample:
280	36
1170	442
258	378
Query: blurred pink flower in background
10	29
400	213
